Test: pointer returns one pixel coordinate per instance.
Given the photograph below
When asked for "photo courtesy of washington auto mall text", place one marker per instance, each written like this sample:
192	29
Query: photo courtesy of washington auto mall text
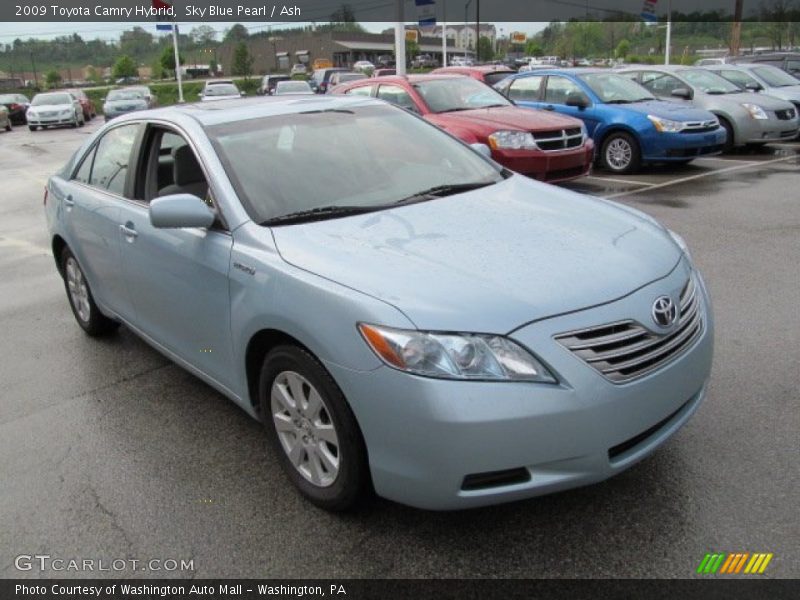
399	299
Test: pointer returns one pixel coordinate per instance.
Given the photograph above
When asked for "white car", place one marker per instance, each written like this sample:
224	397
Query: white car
364	66
298	69
54	108
220	91
292	88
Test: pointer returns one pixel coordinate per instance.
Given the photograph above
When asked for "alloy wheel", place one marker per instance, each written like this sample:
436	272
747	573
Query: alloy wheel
619	154
78	291
305	428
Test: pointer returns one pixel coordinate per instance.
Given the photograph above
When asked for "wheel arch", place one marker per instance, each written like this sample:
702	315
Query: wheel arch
58	245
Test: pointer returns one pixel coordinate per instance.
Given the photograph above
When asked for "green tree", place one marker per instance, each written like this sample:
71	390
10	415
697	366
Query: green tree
213	67
125	67
412	50
167	59
623	49
533	48
237	33
94	76
156	70
52	78
202	35
485	49
242	61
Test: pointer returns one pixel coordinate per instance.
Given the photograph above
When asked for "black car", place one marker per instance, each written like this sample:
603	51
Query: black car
788	61
17	105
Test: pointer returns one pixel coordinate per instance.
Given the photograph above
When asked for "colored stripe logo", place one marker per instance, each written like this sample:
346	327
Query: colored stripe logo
734	563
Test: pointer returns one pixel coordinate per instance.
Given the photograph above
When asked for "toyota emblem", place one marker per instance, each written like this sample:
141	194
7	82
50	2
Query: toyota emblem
665	311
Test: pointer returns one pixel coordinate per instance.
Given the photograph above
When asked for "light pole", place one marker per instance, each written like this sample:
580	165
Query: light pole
466	27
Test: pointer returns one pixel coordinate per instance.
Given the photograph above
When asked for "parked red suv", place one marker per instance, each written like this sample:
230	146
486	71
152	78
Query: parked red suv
543	145
488	74
89	111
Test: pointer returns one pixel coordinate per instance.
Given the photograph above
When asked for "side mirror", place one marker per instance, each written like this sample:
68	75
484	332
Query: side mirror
577	99
482	149
684	93
180	210
753	86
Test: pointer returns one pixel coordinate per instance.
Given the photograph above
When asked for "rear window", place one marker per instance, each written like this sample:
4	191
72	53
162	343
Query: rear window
492	78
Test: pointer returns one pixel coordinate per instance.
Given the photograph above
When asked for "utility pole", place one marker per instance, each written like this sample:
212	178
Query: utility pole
35	78
444	33
669	31
177	61
466	28
400	40
477	30
736	31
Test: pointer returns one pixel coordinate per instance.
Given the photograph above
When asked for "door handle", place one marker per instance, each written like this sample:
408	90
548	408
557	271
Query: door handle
69	202
129	232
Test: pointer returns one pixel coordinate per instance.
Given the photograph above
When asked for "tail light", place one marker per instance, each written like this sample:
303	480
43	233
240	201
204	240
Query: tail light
15	106
45	195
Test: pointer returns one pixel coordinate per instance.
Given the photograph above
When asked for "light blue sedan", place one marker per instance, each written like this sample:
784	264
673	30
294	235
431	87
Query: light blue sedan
402	314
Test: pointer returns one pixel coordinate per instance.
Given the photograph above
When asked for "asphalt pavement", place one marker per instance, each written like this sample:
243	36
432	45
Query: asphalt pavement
110	452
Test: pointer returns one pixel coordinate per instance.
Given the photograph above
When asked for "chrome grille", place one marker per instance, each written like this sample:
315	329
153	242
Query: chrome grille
560	139
626	350
785	115
700	126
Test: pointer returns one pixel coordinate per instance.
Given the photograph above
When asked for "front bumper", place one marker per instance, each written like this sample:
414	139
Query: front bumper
558	165
680	146
426	437
54	120
755	131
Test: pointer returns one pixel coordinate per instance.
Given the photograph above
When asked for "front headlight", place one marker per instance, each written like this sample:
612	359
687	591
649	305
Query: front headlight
681	243
755	111
454	356
666	125
66	111
512	140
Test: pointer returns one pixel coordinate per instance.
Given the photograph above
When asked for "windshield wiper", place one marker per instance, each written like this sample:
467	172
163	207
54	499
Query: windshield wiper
457	109
620	101
318	214
440	191
646	99
493	106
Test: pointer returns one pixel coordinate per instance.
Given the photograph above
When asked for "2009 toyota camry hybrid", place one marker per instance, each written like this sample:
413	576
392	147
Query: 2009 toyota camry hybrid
403	314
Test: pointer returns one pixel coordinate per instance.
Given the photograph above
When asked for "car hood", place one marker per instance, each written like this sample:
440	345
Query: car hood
508	117
667	110
489	260
50	107
764	100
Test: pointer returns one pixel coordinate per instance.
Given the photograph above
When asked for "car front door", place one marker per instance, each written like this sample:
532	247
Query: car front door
178	278
92	202
558	89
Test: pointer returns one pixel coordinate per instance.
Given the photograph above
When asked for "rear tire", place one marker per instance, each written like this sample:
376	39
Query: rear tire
620	153
312	429
32	127
8	125
81	301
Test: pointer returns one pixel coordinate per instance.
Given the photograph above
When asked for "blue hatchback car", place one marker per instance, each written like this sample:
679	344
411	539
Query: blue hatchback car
629	125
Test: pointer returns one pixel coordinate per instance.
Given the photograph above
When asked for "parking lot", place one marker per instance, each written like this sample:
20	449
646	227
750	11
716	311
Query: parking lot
108	450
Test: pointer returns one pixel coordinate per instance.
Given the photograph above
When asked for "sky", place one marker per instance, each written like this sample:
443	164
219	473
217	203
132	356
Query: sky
111	31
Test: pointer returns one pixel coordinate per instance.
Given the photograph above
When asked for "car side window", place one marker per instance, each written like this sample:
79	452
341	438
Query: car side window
172	168
559	88
738	77
397	95
364	90
525	88
106	166
661	84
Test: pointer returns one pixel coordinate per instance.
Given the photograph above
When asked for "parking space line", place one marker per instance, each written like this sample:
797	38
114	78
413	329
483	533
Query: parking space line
720	159
738	167
624	181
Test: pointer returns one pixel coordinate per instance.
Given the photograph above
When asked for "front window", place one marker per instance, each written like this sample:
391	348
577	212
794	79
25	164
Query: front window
616	89
775	77
115	95
52	99
290	163
709	82
740	78
222	90
495	77
464	93
559	89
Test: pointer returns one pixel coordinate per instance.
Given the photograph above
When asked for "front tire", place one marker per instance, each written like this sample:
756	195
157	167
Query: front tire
32	127
620	153
730	142
8	125
81	301
312	429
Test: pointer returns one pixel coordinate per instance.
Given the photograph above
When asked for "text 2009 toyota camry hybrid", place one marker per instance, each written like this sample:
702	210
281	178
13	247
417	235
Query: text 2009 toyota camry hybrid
402	314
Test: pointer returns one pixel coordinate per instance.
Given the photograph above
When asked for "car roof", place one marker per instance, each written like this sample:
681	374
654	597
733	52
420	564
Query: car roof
566	71
241	109
475	68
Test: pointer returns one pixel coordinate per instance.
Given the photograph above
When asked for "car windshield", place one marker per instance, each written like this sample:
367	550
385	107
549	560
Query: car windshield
775	77
285	164
709	82
350	77
454	94
289	87
614	88
49	99
8	99
123	95
221	89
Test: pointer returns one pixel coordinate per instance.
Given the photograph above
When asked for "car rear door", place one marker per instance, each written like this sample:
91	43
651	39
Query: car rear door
91	205
178	278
